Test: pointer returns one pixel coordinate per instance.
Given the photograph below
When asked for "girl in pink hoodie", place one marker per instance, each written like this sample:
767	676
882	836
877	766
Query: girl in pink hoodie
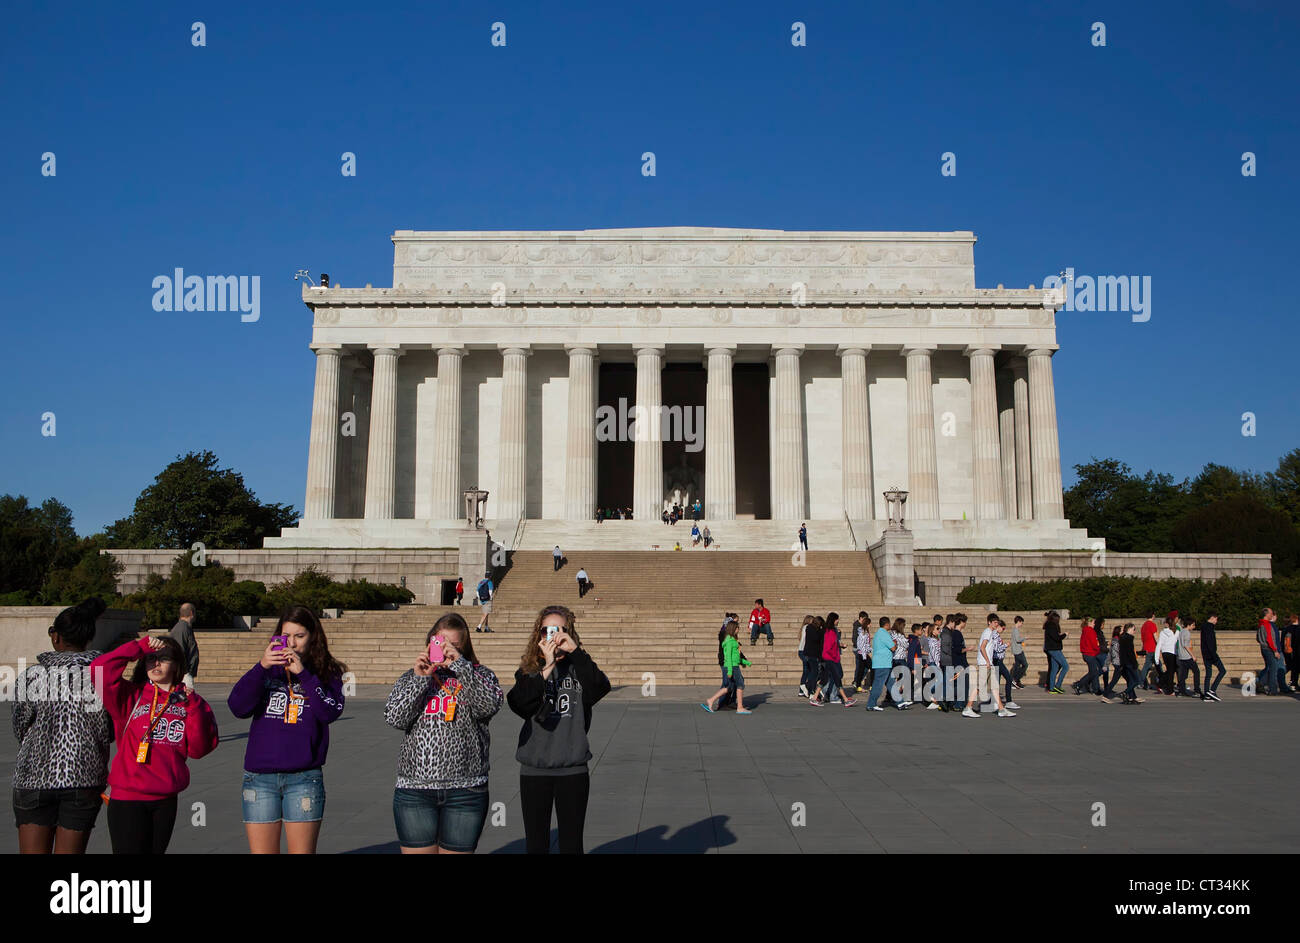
159	724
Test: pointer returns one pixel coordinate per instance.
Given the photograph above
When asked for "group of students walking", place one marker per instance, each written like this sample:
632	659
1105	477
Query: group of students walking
293	694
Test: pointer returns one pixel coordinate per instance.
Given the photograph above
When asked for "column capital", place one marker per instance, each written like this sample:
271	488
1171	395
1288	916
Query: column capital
910	349
846	349
647	349
388	350
450	350
523	349
335	349
728	349
1045	350
787	350
572	349
982	350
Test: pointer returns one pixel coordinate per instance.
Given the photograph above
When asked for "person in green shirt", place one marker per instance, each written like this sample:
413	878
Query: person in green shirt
732	660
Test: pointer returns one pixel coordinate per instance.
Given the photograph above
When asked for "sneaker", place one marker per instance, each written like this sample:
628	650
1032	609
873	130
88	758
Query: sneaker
969	713
875	708
803	690
1005	713
903	707
1019	684
1011	706
934	706
816	703
850	701
1212	695
1056	691
479	629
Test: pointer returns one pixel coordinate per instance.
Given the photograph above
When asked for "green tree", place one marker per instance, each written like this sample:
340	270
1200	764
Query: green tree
33	541
194	500
1240	524
1284	484
1133	513
94	574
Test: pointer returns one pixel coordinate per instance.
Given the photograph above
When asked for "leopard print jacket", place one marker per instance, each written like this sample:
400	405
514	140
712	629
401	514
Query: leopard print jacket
61	743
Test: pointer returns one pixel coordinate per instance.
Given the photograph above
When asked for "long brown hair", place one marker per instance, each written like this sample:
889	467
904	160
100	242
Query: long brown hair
453	620
317	658
532	661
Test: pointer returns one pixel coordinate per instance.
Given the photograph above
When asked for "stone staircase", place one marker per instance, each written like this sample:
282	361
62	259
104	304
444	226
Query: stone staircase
650	612
651	535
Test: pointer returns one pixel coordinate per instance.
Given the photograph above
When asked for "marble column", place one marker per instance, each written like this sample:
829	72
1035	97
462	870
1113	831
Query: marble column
922	464
343	458
580	443
719	438
361	404
859	496
512	494
381	455
1049	504
648	454
986	460
789	499
1007	444
445	488
322	450
1020	405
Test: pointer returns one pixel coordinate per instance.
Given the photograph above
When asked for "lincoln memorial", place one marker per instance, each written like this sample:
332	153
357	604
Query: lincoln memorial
779	377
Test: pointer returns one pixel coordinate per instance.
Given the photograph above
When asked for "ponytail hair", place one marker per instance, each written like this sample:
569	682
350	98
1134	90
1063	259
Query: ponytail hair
76	624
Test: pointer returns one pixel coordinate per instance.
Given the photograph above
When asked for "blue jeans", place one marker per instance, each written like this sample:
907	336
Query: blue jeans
1056	663
1148	663
879	678
449	818
1214	661
809	676
1272	670
284	797
1092	681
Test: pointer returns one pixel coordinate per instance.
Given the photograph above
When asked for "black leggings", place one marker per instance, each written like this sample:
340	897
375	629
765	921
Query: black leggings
140	826
568	794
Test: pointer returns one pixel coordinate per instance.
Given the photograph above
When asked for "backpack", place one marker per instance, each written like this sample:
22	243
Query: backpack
484	590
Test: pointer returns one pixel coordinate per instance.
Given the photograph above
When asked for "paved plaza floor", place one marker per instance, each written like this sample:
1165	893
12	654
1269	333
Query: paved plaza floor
1174	775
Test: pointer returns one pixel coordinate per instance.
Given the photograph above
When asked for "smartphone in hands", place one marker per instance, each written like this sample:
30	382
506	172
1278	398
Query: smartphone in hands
279	642
436	654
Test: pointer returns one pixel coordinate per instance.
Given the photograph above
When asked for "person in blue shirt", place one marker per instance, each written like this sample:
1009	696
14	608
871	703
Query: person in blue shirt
882	659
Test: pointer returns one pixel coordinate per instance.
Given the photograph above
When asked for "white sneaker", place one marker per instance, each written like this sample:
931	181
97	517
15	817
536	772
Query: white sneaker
905	704
933	706
875	708
1011	706
803	690
1005	713
969	712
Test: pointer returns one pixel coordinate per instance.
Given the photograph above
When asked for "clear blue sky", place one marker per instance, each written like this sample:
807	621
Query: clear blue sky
225	159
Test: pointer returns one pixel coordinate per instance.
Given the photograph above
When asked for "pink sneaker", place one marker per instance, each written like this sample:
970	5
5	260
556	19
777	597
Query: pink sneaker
850	701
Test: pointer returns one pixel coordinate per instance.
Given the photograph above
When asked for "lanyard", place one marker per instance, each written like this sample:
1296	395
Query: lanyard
142	752
291	709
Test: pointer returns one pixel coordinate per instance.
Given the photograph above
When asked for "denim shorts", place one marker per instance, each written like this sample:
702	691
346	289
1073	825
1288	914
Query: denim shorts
736	680
73	809
449	818
284	797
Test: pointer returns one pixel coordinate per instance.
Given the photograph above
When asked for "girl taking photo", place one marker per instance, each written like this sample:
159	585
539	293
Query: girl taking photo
159	725
293	694
62	763
556	686
443	704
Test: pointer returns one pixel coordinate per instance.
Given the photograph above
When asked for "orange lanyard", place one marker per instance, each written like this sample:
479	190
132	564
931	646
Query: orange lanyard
142	752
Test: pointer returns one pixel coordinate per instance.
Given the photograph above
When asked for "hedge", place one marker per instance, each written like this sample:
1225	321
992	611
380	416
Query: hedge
1239	601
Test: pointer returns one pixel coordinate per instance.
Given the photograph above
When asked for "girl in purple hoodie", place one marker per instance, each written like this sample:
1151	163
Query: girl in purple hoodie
293	694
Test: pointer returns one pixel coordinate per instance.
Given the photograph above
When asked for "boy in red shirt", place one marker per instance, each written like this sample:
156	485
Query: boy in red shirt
1149	632
760	620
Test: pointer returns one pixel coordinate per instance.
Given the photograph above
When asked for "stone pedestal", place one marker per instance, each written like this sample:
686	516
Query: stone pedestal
892	557
475	558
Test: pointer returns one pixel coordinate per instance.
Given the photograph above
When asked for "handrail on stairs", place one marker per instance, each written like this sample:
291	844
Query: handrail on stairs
519	534
852	536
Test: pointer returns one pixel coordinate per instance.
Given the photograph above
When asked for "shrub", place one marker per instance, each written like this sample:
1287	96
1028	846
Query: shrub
1238	600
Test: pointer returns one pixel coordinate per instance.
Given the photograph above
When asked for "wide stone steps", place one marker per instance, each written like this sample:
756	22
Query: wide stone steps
731	536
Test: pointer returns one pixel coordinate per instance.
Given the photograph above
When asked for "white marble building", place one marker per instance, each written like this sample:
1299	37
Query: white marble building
829	365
